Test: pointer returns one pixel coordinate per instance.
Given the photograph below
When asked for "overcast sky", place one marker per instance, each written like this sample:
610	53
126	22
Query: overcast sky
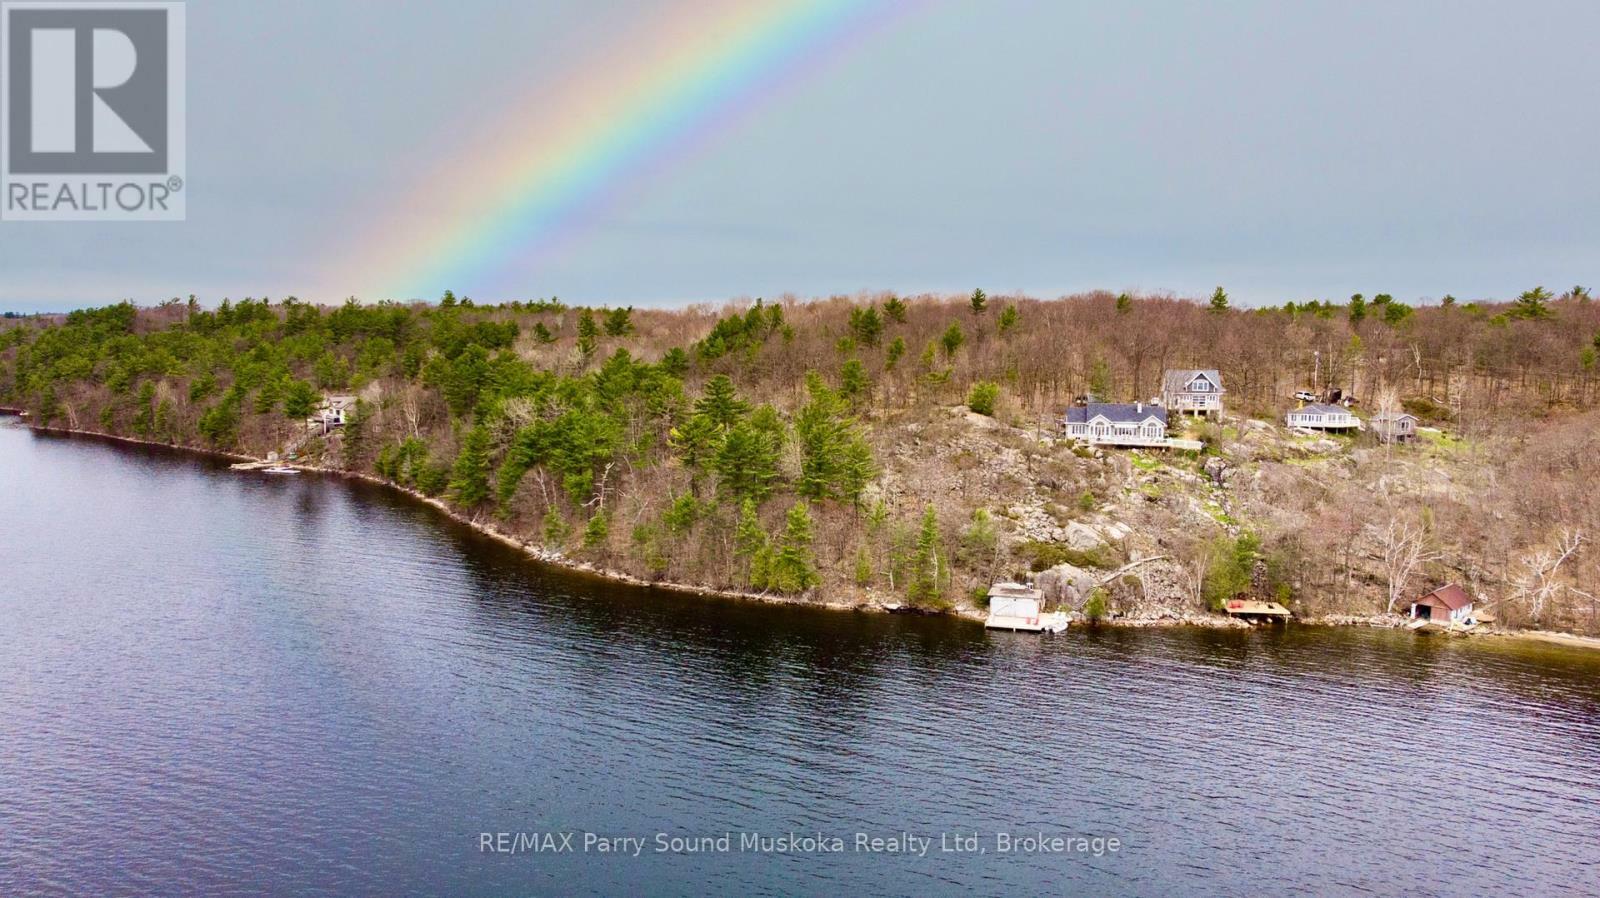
1285	150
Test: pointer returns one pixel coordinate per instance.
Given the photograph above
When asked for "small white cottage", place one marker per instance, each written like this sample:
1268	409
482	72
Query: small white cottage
1321	416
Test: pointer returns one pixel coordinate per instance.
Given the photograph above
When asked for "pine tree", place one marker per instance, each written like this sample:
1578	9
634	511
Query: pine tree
952	339
588	332
299	400
1125	303
923	585
866	325
749	541
1531	304
747	462
979	302
619	322
853	382
1358	308
1219	301
469	479
1009	319
891	355
720	403
793	569
863	571
895	308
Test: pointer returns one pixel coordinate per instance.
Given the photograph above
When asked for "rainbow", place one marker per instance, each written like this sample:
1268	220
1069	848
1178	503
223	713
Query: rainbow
669	85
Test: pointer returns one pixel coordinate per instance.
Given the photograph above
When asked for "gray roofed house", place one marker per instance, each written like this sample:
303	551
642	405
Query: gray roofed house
1322	416
1395	427
1118	424
1195	390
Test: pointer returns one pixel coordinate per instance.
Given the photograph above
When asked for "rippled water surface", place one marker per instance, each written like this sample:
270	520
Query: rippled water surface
220	683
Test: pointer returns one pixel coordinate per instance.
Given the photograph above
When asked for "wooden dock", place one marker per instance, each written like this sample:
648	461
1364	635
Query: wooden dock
1253	610
1052	622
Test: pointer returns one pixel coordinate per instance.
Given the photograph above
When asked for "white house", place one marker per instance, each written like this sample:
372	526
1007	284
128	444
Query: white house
1395	427
334	411
1193	390
1322	416
1118	424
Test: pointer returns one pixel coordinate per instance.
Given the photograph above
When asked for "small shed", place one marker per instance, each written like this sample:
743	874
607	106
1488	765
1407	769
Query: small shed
1448	604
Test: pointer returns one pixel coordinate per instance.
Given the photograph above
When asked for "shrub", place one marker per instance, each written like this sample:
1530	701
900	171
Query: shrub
1095	608
1045	555
982	397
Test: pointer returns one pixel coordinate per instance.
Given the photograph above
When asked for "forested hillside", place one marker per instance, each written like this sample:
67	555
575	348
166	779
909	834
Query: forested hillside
903	450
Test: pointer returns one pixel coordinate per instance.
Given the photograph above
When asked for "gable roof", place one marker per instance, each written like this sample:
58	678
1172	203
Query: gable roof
1117	413
1321	408
1450	596
1177	379
1392	416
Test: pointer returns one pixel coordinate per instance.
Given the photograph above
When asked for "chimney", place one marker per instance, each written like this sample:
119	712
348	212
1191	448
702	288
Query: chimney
1138	407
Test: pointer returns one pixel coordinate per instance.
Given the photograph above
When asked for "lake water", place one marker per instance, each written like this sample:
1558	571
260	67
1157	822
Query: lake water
234	684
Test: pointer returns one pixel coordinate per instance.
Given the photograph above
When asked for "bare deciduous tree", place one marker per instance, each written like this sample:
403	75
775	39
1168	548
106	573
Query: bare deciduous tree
1405	550
1537	581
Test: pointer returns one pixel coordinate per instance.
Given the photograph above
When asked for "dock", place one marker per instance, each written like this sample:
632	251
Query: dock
1052	622
1251	610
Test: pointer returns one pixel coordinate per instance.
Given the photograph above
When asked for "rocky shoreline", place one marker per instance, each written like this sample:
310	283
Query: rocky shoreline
1154	619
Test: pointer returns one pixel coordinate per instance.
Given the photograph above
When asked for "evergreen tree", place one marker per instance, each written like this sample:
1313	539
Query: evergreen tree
923	585
596	531
1358	308
1100	380
853	382
1009	319
749	540
555	529
720	403
144	418
835	461
1532	304
891	355
1125	303
299	400
863	572
952	339
619	322
982	397
979	302
895	308
866	325
355	438
1219	301
696	440
469	478
747	462
793	569
588	332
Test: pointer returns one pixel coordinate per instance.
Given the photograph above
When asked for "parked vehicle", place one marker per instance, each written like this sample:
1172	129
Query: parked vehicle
1305	396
